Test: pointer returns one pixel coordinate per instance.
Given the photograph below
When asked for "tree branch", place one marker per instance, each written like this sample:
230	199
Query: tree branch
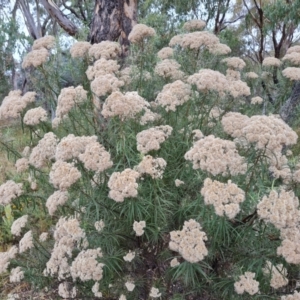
45	23
81	11
30	24
233	21
71	9
61	19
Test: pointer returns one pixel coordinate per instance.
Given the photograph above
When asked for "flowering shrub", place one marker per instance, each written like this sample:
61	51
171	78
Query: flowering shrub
156	180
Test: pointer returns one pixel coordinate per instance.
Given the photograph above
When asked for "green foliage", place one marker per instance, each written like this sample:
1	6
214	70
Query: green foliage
278	12
243	243
8	39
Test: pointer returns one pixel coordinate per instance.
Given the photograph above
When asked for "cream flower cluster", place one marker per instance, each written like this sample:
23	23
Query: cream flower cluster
95	157
279	167
280	209
219	49
189	241
140	32
154	293
277	273
169	68
9	191
99	225
247	283
216	156
173	95
233	75
293	49
39	53
197	135
174	262
67	235
43	236
165	53
269	131
149	116
234	63
214	113
5	258
271	62
193	25
238	88
68	232
138	227
251	75
257	100
224	197
233	123
105	49
68	98
18	224
13	104
44	151
26	151
291	73
35	116
123	185
210	80
129	256
105	84
125	106
56	199
101	67
152	166
178	182
129	286
16	274
47	42
290	245
195	40
66	291
295	296
296	173
63	175
95	290
150	139
35	58
80	49
126	75
26	242
72	146
293	57
86	267
265	131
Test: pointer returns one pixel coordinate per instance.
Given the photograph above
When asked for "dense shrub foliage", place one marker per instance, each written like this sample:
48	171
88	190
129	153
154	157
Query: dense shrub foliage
167	175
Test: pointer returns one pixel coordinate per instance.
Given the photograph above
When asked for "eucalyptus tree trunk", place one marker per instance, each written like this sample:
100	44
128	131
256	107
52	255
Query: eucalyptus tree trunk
112	21
287	111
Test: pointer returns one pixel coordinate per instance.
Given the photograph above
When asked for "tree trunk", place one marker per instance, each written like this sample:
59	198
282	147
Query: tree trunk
287	111
112	21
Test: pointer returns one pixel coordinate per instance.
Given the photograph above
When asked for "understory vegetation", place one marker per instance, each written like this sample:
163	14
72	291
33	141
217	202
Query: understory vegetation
166	175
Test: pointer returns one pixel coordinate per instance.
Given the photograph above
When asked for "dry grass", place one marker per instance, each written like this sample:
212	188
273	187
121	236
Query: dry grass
11	136
24	291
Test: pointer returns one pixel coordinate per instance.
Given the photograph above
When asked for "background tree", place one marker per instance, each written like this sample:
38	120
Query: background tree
113	20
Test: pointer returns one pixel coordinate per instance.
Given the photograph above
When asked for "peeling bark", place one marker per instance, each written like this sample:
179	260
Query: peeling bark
112	21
